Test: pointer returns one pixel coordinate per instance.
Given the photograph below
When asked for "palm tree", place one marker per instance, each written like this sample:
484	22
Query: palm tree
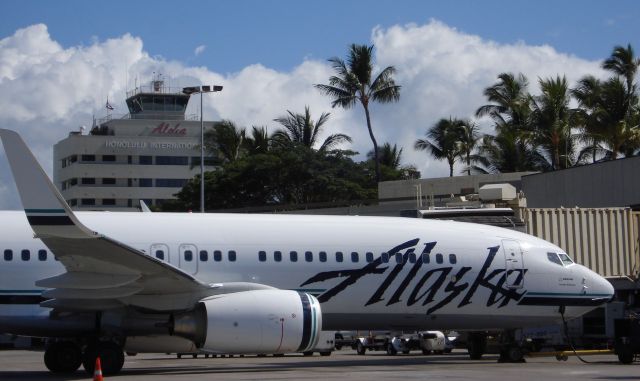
442	141
510	100
389	156
551	122
468	138
623	63
301	129
225	141
258	142
352	83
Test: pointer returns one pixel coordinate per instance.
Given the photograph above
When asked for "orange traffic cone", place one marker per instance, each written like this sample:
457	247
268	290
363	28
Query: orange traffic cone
97	373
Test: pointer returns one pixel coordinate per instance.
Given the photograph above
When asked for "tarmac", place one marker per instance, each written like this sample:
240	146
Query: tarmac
344	365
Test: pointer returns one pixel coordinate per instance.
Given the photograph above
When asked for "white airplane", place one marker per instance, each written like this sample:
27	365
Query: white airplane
98	283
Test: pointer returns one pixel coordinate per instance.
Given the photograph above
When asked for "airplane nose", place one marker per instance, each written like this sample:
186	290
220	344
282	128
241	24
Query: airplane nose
601	287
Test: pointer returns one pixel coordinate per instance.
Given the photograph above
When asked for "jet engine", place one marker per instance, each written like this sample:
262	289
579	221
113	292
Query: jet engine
259	321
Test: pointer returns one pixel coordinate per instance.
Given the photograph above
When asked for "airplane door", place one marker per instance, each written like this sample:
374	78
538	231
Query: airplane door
188	260
514	265
160	251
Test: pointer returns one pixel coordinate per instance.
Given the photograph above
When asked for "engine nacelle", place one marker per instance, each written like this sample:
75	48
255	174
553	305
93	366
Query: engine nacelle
259	321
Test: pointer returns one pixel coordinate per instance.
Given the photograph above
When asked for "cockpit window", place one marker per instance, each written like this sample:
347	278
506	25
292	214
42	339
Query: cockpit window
553	257
566	260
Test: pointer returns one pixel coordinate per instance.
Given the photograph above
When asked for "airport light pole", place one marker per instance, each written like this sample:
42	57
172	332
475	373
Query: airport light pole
194	90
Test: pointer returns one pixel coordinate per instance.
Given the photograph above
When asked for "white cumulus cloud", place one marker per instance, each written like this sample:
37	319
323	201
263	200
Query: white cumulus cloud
47	90
199	50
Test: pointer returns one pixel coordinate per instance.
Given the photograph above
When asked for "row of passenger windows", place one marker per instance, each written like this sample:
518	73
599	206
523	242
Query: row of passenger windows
25	255
355	257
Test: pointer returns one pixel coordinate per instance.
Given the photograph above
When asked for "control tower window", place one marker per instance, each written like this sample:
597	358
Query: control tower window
88	157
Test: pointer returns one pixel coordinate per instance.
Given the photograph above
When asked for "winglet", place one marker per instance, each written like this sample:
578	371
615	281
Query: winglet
47	211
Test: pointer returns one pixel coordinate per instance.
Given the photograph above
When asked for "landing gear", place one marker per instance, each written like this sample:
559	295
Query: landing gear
63	357
360	348
476	345
111	357
391	350
510	349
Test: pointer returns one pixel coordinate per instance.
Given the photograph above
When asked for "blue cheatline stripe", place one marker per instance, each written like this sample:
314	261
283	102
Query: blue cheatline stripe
45	211
37	292
563	294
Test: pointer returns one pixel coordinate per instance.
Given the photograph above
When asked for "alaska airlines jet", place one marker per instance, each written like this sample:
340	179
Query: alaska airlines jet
98	283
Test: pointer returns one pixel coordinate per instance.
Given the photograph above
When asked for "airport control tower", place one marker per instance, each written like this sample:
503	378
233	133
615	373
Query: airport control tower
147	154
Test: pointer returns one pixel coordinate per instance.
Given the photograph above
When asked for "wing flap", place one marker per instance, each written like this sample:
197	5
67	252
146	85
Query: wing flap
87	280
104	293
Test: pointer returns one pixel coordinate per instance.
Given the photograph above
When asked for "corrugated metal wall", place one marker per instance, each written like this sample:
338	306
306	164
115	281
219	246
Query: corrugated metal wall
603	239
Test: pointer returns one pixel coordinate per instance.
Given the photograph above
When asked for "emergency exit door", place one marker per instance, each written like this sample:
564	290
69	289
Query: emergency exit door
514	266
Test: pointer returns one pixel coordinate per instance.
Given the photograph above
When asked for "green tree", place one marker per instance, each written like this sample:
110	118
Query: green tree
353	83
623	63
258	141
442	141
468	139
300	129
225	141
552	122
391	164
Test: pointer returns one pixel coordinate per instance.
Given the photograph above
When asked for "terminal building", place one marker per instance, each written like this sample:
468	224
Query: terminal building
148	154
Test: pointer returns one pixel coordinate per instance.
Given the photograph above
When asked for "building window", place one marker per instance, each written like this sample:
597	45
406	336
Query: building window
171	183
25	255
88	201
172	160
108	157
88	157
322	256
277	256
145	160
8	255
232	256
262	256
217	255
204	256
109	181
108	201
88	181
42	255
73	202
339	256
145	183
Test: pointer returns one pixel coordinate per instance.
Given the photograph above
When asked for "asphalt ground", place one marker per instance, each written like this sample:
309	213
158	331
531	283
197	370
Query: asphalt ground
342	365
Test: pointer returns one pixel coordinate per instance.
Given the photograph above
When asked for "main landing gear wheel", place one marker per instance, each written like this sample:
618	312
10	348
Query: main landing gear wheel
512	353
360	349
63	357
111	358
476	345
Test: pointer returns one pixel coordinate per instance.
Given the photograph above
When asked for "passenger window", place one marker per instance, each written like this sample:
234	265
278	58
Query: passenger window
399	258
553	257
204	256
369	257
293	256
425	258
308	256
355	257
232	256
25	254
8	255
188	255
42	255
277	256
160	254
262	256
439	258
217	255
412	257
452	259
339	256
322	256
566	260
384	257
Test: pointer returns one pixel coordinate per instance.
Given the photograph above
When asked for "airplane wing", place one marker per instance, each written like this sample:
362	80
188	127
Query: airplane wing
102	273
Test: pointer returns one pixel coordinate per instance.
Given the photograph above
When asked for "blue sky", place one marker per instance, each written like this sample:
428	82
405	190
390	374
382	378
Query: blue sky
281	33
61	60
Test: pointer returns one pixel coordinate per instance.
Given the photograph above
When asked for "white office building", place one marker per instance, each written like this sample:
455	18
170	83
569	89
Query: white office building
148	154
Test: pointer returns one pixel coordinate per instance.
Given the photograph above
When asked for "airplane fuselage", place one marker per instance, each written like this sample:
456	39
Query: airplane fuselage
367	272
